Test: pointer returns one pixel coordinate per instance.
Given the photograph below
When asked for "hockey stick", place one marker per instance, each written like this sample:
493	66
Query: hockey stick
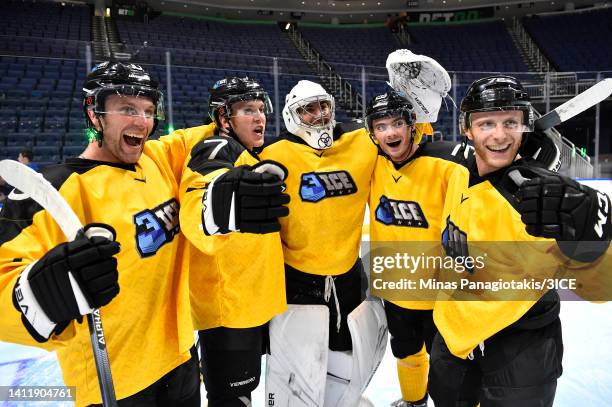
578	104
43	193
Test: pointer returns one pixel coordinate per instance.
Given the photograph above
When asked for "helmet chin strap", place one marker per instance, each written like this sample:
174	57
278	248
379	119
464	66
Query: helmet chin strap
411	145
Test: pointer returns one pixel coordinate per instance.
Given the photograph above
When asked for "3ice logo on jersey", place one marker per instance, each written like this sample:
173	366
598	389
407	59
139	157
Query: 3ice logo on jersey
156	227
400	213
320	185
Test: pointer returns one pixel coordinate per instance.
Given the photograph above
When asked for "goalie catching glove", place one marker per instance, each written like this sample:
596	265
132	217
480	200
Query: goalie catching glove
246	199
554	206
69	281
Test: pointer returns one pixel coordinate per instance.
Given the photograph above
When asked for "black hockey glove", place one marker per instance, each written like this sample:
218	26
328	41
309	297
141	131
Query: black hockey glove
557	207
540	147
246	199
44	293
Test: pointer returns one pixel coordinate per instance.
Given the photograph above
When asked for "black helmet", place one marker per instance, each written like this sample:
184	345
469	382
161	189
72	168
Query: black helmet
391	103
496	93
117	78
228	91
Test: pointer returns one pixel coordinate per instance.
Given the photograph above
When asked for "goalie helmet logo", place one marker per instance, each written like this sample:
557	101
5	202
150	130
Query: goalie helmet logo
325	140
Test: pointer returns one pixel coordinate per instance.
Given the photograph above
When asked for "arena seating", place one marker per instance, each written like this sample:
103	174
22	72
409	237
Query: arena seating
575	41
44	29
42	48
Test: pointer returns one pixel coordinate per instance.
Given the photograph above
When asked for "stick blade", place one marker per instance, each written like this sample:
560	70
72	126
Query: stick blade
576	105
33	185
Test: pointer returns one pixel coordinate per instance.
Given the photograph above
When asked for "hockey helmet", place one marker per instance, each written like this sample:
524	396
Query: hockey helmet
116	78
391	104
228	91
496	93
309	113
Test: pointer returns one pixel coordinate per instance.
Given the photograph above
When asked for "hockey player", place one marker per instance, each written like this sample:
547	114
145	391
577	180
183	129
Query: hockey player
329	169
237	282
508	353
412	177
138	275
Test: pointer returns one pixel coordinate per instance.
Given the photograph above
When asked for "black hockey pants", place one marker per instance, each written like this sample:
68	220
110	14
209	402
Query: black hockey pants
518	366
231	363
304	288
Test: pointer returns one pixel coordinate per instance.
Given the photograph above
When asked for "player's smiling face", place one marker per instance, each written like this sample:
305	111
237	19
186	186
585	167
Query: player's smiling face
496	137
394	137
127	123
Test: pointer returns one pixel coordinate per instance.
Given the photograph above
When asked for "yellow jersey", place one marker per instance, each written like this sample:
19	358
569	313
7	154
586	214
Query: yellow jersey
147	325
236	280
329	191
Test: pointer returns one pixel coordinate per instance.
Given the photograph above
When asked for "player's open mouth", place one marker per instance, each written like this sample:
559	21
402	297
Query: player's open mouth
499	148
133	140
259	130
394	144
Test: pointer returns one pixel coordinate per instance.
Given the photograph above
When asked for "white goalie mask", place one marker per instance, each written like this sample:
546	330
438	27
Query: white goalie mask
309	113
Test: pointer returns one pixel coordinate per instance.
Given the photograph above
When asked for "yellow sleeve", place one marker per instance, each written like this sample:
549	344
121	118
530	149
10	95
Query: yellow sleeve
26	235
457	183
192	188
175	147
593	281
199	172
424	129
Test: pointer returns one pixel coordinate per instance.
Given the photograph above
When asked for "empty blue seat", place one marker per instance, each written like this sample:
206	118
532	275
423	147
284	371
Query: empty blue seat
10	152
46	154
72	151
20	140
50	139
75	138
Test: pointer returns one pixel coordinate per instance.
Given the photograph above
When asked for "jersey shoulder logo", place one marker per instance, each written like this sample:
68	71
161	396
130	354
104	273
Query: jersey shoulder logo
316	186
400	213
454	240
156	227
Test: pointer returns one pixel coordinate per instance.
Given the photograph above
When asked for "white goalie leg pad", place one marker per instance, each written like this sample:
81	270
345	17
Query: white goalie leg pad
297	365
368	326
339	373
